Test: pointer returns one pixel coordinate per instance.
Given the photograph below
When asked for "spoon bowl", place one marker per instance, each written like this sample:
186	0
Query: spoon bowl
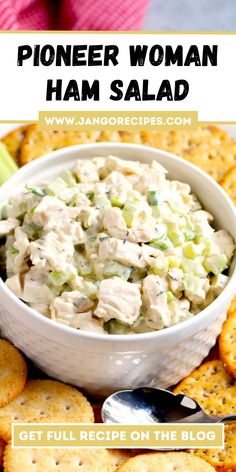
151	405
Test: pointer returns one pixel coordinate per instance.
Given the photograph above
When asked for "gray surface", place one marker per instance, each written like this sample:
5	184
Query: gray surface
202	15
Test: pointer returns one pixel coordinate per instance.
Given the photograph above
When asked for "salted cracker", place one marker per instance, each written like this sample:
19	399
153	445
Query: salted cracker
166	462
57	460
45	399
37	143
227	343
13	141
229	183
212	387
223	460
13	371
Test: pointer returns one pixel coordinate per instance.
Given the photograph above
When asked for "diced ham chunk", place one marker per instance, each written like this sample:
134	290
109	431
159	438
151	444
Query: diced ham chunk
118	299
7	226
129	254
155	301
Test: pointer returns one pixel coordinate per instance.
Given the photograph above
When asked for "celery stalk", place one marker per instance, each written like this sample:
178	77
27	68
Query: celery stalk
7	164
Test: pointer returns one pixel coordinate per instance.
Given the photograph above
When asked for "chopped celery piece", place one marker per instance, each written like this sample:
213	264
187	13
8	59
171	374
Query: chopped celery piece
196	288
59	278
90	195
68	196
115	327
193	285
216	263
170	297
56	186
84	268
152	197
174	261
7	164
161	244
192	250
36	190
89	289
112	269
156	212
116	202
4	212
189	235
130	210
88	221
176	235
68	177
32	230
193	266
13	251
137	275
159	265
23	209
208	246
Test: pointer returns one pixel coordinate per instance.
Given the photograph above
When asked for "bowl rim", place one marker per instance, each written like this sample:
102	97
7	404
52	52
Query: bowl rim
174	330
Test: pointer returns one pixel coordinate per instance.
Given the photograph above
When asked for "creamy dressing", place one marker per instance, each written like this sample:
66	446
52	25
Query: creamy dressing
113	246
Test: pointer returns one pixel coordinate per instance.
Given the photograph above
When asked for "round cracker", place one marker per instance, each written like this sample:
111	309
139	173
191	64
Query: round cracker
227	343
14	140
13	372
45	399
224	460
57	460
166	462
212	387
229	183
36	142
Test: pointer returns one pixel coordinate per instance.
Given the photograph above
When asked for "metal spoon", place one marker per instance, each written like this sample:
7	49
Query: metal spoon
151	405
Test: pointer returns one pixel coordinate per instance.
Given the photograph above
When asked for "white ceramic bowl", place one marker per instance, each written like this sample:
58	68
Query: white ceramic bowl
101	363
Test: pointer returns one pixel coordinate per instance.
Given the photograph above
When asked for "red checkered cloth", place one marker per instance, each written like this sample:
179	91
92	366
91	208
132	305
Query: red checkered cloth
72	14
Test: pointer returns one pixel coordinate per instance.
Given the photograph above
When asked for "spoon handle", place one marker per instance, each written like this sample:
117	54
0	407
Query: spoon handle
227	419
